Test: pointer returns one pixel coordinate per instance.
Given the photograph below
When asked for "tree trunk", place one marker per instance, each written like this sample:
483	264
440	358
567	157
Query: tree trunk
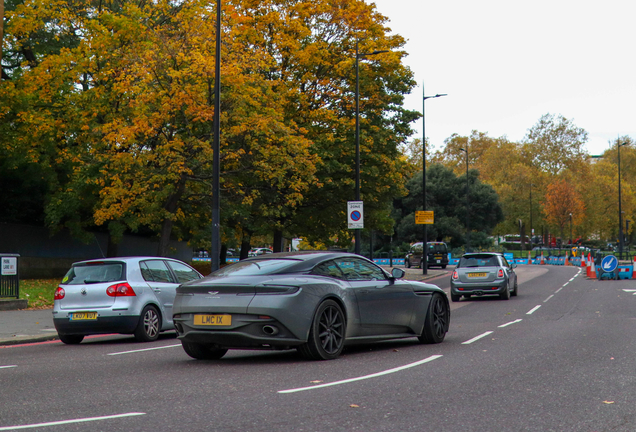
171	205
245	248
223	255
278	241
112	248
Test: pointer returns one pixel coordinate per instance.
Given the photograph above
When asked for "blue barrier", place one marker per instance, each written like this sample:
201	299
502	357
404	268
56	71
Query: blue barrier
625	271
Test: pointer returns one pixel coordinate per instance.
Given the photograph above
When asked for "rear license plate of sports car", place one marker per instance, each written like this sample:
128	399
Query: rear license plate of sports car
79	316
219	320
472	275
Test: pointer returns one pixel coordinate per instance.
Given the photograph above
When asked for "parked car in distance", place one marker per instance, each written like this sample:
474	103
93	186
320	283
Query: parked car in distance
437	255
259	251
483	273
316	302
129	295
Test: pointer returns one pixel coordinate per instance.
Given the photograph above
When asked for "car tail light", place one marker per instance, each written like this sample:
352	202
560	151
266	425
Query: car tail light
59	293
455	275
120	290
500	273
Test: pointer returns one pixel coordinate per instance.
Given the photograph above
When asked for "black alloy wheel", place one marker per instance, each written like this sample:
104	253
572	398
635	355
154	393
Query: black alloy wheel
203	351
506	294
515	291
327	333
437	320
407	263
71	339
455	298
149	325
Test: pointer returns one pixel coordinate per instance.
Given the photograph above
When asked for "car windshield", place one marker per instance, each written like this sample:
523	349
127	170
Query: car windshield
479	261
255	267
94	273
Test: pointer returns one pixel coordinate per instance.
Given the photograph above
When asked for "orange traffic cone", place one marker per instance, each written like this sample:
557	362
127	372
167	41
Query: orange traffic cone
530	257
567	260
583	262
634	269
542	262
591	268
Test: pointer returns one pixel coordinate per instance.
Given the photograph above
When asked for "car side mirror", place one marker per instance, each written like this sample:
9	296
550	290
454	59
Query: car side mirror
513	265
397	273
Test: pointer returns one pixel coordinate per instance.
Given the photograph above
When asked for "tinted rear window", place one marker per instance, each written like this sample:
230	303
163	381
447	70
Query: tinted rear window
479	261
256	267
437	248
94	273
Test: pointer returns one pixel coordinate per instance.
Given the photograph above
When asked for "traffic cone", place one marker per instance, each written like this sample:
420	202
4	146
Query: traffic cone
590	267
542	262
530	257
582	260
634	269
567	260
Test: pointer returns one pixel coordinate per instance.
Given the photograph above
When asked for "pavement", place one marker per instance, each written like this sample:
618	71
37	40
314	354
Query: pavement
30	326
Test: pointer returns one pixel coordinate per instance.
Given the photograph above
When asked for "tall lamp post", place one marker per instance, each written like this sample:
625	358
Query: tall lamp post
358	57
215	248
425	243
571	244
467	203
620	212
531	231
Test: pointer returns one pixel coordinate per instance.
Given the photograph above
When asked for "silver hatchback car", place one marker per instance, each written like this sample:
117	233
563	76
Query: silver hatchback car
130	295
484	273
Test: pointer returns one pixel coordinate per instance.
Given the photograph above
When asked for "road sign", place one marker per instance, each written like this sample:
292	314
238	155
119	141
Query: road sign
424	217
609	263
355	214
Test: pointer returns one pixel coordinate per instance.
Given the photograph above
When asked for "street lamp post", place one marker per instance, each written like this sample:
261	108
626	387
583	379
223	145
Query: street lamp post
571	244
531	232
620	213
425	243
467	203
215	247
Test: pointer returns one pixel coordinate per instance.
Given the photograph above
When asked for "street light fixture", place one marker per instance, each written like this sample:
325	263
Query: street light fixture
358	57
620	213
467	203
425	244
215	247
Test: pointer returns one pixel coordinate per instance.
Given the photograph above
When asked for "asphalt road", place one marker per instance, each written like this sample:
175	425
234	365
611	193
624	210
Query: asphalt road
559	357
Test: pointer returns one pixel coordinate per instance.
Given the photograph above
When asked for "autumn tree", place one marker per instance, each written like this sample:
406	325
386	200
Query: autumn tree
562	204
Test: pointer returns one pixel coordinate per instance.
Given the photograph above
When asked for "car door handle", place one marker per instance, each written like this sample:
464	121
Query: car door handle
157	290
364	291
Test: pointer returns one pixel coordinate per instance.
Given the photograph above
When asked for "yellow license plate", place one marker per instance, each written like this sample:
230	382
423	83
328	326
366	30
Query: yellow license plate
216	320
477	274
77	316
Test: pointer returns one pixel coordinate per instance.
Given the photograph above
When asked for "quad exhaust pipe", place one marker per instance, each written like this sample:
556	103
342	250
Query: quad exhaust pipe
270	330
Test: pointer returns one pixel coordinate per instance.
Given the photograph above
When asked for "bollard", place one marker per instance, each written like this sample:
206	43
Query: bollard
391	258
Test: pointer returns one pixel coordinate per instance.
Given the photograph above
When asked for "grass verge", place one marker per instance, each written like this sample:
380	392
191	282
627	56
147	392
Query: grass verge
39	292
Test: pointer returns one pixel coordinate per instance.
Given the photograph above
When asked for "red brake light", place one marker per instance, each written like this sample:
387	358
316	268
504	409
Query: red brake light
120	290
500	273
59	293
455	275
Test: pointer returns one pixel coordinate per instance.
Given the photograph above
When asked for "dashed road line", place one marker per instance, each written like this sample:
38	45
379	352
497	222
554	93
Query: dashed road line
7	367
63	422
510	323
476	338
531	311
375	375
552	295
145	349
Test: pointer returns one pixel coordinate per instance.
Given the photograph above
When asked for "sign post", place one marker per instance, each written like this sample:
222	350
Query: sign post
355	214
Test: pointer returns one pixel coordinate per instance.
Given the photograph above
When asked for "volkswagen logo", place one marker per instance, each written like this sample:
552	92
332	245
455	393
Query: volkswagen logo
83	291
213	292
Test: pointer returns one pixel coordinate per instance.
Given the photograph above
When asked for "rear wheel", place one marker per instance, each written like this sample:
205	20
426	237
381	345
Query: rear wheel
71	339
506	294
149	325
327	333
437	321
514	292
455	298
407	263
203	351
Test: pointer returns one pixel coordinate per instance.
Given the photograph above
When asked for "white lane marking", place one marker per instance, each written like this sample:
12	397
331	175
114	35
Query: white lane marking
375	375
548	298
558	290
62	422
565	284
476	338
531	311
6	367
145	349
629	290
510	323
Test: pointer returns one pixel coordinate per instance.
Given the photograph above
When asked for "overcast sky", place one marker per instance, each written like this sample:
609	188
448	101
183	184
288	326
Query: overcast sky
505	63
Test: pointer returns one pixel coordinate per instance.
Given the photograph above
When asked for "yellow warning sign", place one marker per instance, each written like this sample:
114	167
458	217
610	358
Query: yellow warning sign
424	217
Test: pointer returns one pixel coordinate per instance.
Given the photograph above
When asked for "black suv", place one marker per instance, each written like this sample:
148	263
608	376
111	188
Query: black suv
437	255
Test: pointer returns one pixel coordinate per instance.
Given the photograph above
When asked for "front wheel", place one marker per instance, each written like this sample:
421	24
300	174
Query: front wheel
437	321
203	351
327	333
149	325
407	263
71	339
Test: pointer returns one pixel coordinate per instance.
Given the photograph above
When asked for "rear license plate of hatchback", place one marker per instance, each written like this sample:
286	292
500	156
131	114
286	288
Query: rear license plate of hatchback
474	275
215	320
82	316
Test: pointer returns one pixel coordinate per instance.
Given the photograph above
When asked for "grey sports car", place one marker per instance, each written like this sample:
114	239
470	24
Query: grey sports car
316	302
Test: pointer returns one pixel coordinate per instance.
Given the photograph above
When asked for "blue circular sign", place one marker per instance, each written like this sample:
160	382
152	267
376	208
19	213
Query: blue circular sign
355	215
609	263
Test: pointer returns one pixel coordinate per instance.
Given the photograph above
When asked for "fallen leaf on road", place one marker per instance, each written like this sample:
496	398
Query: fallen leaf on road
354	406
608	402
315	381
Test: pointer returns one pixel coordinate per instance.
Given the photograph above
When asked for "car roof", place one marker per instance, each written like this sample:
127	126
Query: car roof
469	254
128	259
306	259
